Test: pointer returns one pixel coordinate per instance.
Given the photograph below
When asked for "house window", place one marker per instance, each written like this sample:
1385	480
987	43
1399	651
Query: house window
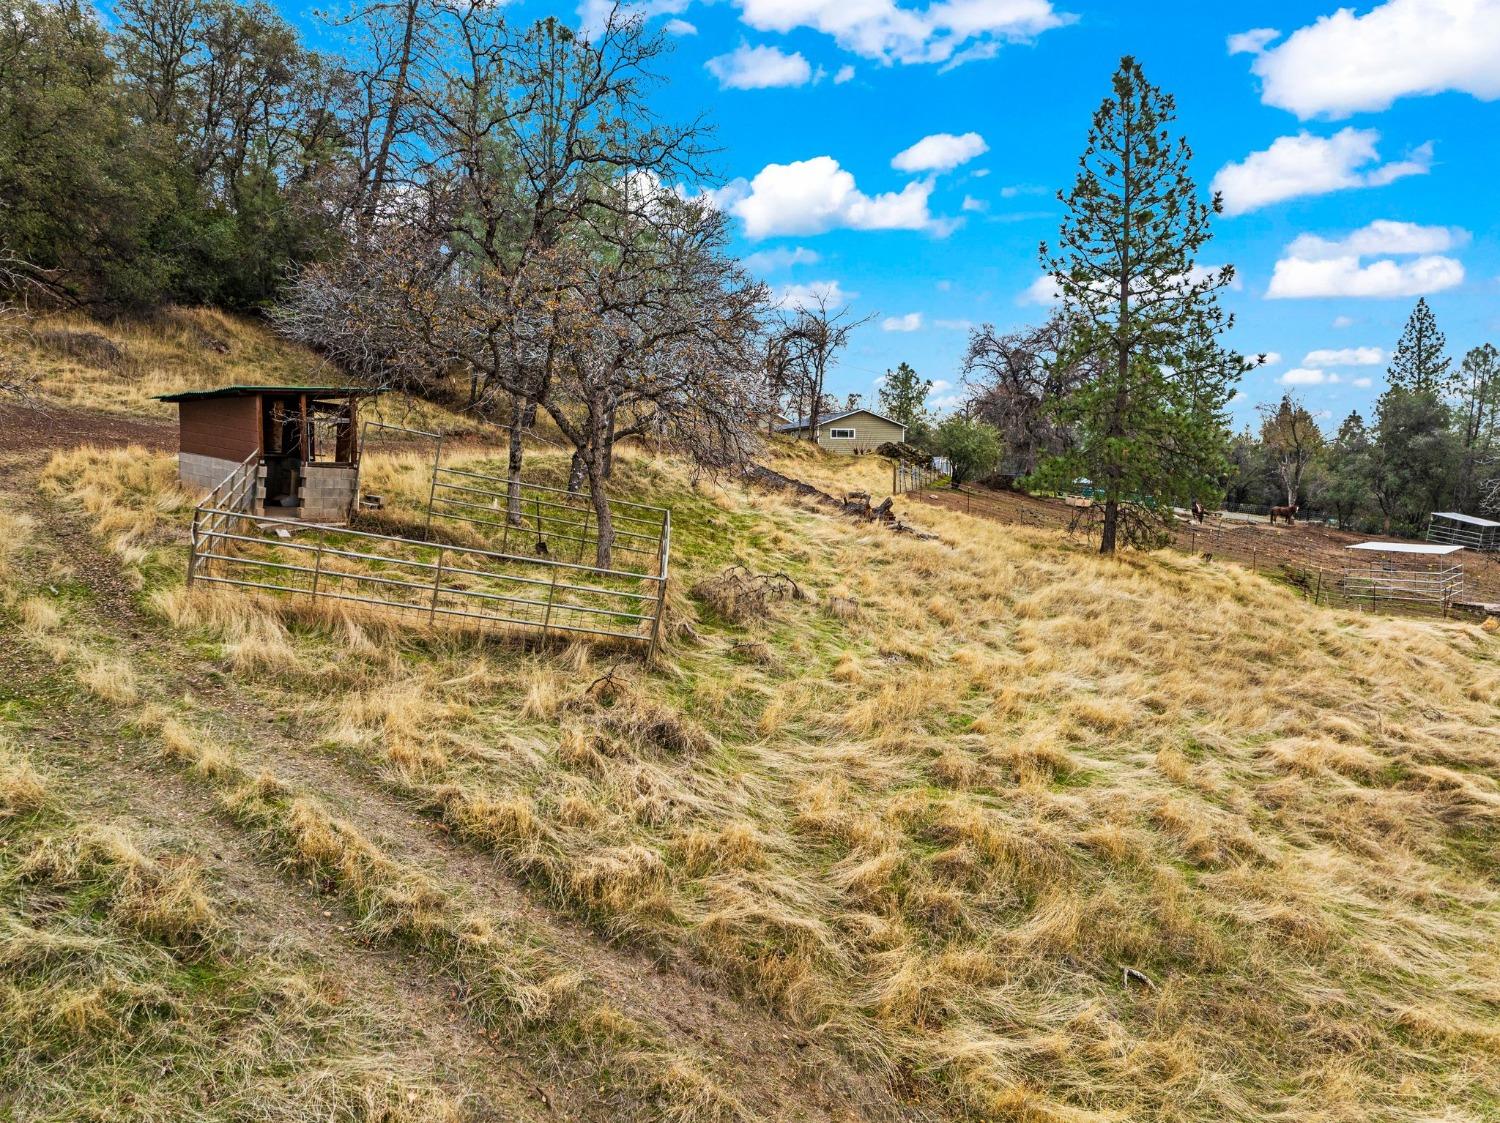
841	434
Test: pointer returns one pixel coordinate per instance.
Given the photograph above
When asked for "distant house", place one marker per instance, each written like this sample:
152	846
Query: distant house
855	430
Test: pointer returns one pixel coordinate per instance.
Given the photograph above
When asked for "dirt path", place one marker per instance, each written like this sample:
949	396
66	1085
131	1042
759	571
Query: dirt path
779	1071
35	429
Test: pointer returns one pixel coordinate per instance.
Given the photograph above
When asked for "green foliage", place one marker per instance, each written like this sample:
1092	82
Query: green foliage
139	167
1418	364
903	395
1148	414
1289	434
1414	459
1344	472
972	447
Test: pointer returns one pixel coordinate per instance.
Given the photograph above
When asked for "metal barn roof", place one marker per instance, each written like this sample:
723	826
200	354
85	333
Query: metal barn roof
242	391
1457	516
1404	548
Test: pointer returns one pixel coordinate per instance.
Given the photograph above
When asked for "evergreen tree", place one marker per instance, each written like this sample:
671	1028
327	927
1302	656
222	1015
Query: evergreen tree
903	395
1149	415
1475	414
1413	459
1419	364
1346	471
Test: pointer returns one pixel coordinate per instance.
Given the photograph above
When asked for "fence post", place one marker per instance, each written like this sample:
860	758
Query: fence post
317	570
193	547
547	616
663	555
583	538
437	584
1318	593
437	453
895	478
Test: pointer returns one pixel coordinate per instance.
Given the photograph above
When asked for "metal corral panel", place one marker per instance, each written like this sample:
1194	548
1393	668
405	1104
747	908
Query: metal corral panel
1405	548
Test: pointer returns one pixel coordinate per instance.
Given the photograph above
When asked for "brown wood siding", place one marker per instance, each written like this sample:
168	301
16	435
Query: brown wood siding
228	428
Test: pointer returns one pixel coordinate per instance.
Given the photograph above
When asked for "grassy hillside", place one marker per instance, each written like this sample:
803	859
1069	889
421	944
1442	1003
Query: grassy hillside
120	366
978	827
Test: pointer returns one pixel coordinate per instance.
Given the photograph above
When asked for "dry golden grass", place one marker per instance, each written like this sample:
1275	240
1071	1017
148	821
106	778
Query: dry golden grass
1044	836
121	366
126	996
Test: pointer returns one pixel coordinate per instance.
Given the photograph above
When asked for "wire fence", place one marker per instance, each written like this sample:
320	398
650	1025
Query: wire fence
1311	562
907	478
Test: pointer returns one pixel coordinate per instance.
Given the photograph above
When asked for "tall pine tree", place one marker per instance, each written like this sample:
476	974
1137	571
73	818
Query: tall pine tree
1149	417
903	395
1419	364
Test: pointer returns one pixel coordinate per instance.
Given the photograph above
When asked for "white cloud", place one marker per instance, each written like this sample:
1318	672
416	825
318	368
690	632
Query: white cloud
759	68
950	31
791	296
845	74
972	204
680	27
1271	358
953	325
781	257
1044	290
1310	165
1345	357
1303	376
940	152
1312	266
1012	190
1251	42
912	321
593	14
1343	321
1363	383
1346	63
811	196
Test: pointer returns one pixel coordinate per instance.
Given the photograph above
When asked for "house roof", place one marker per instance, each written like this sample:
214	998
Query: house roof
243	391
1404	548
801	423
1472	520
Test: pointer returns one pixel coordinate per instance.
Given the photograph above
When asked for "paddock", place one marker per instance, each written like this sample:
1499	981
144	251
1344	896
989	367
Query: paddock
1458	529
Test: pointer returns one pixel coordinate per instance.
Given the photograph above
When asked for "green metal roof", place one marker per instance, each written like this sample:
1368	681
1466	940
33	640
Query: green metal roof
242	391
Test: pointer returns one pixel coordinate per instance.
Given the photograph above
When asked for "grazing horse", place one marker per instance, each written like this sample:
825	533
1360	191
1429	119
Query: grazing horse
1288	513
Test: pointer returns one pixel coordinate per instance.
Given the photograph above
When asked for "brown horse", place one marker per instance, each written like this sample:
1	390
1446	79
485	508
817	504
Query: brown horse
1288	513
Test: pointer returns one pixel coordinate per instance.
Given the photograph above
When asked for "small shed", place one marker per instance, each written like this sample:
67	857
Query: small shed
852	431
305	440
1464	530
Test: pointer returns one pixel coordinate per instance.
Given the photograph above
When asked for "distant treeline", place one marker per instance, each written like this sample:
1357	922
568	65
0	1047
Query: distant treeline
193	151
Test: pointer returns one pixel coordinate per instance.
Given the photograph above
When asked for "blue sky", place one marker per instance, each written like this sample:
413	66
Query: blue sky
1357	150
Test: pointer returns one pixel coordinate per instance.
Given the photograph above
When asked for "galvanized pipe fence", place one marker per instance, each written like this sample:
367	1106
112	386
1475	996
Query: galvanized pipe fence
427	581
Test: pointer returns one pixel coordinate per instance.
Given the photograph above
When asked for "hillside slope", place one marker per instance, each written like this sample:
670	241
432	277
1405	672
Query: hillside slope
977	827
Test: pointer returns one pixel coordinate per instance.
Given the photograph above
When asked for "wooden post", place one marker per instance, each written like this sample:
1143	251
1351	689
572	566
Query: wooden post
1318	593
896	478
437	584
317	570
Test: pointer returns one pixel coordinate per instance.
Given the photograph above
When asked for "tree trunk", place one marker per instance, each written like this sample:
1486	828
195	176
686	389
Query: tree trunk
575	473
604	523
1111	524
393	116
609	446
513	482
